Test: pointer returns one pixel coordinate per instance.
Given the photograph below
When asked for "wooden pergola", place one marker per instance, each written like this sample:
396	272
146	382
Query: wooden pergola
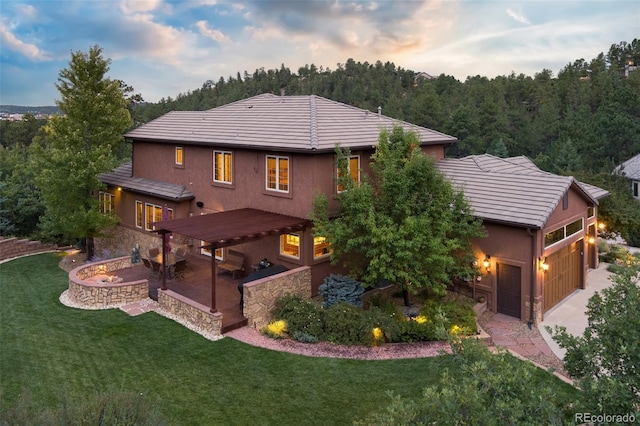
226	229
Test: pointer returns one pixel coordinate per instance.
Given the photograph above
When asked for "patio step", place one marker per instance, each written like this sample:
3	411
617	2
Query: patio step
227	328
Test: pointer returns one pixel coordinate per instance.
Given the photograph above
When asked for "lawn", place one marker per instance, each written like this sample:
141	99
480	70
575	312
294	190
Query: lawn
56	353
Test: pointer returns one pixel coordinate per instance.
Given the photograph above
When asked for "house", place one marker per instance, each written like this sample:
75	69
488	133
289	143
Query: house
261	160
631	170
541	232
243	176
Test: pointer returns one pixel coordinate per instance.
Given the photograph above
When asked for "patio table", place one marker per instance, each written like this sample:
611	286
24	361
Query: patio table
172	259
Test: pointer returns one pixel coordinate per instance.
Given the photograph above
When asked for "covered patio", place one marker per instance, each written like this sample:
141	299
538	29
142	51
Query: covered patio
220	230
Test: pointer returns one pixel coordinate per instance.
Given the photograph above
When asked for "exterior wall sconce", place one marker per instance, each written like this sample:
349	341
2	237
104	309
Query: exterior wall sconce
544	266
601	226
487	262
592	240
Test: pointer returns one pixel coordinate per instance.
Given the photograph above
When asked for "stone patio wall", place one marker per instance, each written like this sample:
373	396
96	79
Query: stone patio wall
90	294
14	247
260	296
190	313
120	241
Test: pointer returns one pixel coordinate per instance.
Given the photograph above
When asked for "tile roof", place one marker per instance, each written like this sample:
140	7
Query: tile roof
122	176
270	122
512	190
630	168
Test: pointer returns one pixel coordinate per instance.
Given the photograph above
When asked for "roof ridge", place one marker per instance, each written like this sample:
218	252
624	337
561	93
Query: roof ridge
313	122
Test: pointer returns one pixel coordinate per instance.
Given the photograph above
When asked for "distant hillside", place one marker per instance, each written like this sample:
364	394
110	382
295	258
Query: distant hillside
19	109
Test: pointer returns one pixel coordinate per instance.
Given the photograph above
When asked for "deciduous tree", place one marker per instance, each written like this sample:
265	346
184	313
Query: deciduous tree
80	145
405	224
606	358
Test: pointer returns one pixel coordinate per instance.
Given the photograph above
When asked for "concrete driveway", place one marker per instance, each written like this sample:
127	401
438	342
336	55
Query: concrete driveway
571	312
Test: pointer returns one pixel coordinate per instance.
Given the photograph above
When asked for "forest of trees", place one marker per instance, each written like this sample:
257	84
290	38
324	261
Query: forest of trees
582	122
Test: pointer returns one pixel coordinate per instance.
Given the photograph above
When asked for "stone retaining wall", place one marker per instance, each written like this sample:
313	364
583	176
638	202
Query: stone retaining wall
260	296
96	296
190	313
15	247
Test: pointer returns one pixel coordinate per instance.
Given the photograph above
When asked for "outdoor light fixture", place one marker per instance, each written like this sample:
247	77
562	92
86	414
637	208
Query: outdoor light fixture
486	262
601	226
200	204
544	266
592	240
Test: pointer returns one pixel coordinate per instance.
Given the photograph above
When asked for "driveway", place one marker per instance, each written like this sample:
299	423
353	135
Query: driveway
571	312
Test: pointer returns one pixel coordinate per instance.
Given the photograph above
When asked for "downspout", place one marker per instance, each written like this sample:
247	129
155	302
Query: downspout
533	274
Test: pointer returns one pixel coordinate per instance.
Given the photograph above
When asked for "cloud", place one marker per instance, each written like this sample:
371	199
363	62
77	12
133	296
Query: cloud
518	17
26	10
137	6
11	42
211	33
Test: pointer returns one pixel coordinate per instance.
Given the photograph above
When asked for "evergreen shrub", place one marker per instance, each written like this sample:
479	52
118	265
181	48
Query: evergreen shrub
341	288
300	315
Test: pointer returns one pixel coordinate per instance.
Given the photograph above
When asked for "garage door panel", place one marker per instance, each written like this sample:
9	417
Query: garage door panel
564	274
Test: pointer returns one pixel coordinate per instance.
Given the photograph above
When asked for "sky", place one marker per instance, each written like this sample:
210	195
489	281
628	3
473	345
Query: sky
163	48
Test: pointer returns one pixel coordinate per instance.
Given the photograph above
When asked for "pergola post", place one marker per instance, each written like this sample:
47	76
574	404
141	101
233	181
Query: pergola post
213	280
164	261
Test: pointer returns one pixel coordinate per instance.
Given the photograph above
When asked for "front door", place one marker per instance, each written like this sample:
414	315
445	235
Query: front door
508	279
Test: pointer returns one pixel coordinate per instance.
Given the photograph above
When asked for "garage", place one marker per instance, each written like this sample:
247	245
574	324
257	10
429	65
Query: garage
564	274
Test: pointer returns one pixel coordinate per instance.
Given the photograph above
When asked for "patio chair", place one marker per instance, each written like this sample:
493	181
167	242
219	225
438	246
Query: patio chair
153	252
156	269
178	270
181	252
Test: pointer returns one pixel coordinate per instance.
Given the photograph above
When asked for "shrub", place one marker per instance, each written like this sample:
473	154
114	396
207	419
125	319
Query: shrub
451	314
388	306
386	326
303	337
300	315
413	331
275	329
343	324
341	288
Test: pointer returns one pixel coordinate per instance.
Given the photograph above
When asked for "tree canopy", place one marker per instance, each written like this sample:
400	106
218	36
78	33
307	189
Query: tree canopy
405	223
79	145
606	358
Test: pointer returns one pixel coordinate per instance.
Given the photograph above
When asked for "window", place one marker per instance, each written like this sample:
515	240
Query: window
154	214
222	166
277	173
560	234
565	200
290	245
206	250
106	202
591	212
139	214
321	247
636	192
179	155
353	167
574	227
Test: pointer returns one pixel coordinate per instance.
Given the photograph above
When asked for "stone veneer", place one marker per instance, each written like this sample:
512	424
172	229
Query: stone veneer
196	315
260	296
93	295
120	241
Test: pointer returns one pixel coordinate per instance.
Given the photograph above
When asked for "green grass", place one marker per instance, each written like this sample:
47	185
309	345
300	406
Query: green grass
55	354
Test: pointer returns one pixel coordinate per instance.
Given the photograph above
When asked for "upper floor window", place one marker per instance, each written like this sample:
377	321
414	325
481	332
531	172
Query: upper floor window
106	201
179	156
290	245
561	233
353	169
222	163
636	190
591	212
277	173
139	214
154	214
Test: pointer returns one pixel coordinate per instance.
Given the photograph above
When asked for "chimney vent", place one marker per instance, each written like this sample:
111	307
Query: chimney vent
379	111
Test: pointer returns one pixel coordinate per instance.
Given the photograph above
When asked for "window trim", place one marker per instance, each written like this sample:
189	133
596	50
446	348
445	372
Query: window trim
278	158
178	157
222	181
139	216
147	225
357	181
106	201
565	235
282	253
327	247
